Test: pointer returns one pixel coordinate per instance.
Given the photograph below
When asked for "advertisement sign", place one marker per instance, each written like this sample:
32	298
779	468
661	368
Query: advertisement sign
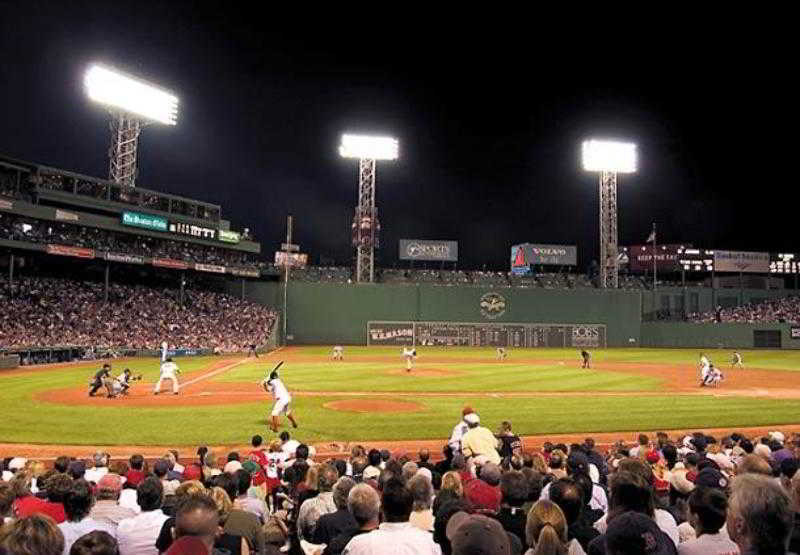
640	257
296	259
519	261
795	332
228	236
435	251
66	216
244	272
6	204
214	269
198	231
145	221
741	261
390	333
125	258
64	250
553	255
170	263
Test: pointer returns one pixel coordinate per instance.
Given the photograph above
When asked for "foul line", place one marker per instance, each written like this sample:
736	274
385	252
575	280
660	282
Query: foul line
213	373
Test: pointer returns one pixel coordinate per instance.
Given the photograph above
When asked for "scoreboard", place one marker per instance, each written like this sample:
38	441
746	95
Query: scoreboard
467	334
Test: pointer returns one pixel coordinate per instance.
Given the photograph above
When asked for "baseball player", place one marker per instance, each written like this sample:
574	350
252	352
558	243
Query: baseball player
169	371
705	369
164	349
252	351
274	386
410	354
737	360
501	353
121	384
587	359
713	377
338	352
99	379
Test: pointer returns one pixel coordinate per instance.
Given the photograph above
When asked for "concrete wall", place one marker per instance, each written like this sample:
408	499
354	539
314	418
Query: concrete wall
678	334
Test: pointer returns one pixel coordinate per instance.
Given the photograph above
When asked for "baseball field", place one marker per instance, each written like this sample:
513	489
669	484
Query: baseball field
370	396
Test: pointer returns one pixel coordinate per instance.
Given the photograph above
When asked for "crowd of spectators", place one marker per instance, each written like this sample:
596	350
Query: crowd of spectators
48	312
488	494
31	230
784	309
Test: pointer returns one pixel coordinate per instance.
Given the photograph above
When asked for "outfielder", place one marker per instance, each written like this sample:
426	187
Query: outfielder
410	354
737	360
501	353
99	379
274	386
338	352
169	371
587	359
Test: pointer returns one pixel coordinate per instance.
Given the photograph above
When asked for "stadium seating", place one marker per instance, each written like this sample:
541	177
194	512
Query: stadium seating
785	309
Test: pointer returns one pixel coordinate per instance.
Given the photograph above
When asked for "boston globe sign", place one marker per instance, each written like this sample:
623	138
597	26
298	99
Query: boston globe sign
426	250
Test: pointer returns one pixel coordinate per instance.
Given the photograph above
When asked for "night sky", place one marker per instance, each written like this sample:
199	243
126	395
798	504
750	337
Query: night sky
489	112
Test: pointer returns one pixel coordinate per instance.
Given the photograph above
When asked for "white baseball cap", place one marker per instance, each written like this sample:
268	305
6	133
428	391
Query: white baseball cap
232	466
777	436
472	418
17	463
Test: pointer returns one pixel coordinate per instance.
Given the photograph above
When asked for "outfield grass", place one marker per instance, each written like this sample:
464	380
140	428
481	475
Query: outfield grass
375	369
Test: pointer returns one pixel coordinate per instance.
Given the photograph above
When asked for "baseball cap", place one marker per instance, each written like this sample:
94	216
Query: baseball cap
188	545
251	466
17	463
635	532
371	472
578	463
232	466
110	482
777	436
160	467
710	477
477	535
472	418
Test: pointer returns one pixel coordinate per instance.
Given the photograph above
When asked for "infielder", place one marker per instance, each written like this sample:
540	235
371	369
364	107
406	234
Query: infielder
164	349
338	352
410	354
587	359
501	353
169	371
737	360
713	377
99	379
274	386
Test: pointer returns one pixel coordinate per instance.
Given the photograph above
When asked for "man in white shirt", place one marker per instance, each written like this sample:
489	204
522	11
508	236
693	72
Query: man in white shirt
274	386
288	446
338	352
395	535
707	512
409	353
100	468
459	430
77	504
137	535
169	371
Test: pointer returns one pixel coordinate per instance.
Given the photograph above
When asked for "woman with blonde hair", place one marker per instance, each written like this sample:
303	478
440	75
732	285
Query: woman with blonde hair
452	481
538	463
546	531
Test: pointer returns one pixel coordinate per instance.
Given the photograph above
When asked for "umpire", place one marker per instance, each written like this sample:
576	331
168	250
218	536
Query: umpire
101	375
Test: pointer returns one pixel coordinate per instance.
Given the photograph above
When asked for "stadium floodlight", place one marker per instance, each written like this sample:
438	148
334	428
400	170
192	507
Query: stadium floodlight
132	102
129	94
366	227
609	156
369	148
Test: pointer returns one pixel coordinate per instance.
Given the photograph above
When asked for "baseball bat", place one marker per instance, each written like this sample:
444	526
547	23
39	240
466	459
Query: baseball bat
280	363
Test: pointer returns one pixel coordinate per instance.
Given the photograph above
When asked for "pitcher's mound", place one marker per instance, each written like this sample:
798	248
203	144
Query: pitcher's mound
373	405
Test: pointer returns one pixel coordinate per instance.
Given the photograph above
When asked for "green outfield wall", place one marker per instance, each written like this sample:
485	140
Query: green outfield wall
726	336
328	313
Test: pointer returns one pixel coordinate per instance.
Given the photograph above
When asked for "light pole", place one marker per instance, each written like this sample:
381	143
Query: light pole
609	158
366	227
133	103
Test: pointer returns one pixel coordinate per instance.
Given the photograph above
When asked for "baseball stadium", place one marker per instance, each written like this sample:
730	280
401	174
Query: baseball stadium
222	346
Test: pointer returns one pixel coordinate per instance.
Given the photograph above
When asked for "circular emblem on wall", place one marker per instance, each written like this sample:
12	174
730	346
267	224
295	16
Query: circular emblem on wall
414	250
492	305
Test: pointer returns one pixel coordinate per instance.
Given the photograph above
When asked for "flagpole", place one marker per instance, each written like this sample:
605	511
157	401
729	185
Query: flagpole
654	256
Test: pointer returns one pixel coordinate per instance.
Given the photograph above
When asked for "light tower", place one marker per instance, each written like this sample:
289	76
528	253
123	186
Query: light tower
366	227
609	158
132	103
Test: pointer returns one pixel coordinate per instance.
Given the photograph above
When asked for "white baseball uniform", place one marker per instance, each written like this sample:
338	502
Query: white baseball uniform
169	371
501	353
281	396
410	355
164	349
705	368
338	352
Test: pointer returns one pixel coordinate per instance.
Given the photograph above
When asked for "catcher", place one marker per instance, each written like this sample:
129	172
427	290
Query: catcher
121	384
